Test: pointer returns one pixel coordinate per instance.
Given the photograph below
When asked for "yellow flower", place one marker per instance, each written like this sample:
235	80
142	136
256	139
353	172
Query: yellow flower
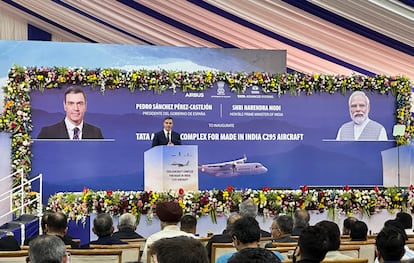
226	195
181	203
40	77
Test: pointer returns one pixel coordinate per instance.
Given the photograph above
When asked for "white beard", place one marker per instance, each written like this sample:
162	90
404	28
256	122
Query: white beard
359	119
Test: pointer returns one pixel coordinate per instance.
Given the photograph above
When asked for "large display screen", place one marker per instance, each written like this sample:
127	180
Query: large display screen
246	140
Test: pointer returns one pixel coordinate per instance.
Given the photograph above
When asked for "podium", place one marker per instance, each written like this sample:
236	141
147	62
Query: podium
171	168
398	166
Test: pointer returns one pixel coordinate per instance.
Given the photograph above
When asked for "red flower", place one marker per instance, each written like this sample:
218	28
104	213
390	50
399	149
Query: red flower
229	188
85	189
265	188
411	187
347	188
180	191
376	189
304	188
109	192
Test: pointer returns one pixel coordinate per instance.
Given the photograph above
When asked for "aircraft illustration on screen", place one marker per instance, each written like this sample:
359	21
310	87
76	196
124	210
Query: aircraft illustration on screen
180	164
233	168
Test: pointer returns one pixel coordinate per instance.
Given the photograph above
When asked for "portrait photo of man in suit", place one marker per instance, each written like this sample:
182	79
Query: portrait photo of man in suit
361	127
72	127
167	136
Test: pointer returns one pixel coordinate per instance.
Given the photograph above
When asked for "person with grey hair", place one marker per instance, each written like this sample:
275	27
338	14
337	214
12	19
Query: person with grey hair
249	208
127	225
301	220
47	248
361	127
282	227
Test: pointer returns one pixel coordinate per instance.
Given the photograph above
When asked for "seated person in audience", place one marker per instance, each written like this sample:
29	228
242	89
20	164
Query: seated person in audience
301	220
334	240
47	248
246	234
42	225
225	237
254	255
406	221
103	228
178	250
127	225
249	208
397	224
348	222
188	224
9	243
390	244
312	245
170	214
57	224
282	227
359	231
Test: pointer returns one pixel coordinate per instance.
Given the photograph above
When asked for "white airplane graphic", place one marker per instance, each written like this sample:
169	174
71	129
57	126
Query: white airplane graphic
180	164
233	168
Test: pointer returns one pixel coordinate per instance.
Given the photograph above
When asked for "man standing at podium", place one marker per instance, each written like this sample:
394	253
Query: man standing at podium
167	136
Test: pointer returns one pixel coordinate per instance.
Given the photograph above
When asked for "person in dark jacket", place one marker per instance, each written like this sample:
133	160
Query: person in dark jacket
127	225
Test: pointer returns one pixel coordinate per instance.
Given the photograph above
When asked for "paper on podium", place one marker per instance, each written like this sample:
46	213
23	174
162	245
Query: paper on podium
171	168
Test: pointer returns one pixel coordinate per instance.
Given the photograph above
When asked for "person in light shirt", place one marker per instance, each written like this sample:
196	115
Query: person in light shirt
361	127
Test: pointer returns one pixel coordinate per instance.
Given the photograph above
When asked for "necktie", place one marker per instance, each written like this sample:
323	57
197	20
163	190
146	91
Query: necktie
168	137
76	133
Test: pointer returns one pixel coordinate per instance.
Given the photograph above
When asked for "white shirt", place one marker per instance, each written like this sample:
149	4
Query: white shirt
70	127
168	231
359	128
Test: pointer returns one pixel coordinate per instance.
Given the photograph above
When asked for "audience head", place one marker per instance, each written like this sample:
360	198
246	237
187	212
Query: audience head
169	213
57	224
103	225
312	244
405	219
47	248
188	224
282	226
348	222
231	220
397	224
43	221
390	244
178	250
127	220
359	231
245	232
254	255
301	218
333	234
248	208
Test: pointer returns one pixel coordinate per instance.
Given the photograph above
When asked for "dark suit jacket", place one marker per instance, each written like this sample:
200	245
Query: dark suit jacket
59	131
264	233
66	239
286	239
126	233
108	240
9	243
161	139
223	238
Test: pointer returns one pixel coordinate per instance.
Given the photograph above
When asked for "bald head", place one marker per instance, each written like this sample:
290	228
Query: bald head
301	218
231	220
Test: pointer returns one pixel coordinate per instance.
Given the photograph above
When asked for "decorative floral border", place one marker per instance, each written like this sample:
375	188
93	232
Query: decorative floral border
217	203
16	118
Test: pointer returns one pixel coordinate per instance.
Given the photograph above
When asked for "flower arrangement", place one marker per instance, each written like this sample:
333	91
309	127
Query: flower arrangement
16	118
216	203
